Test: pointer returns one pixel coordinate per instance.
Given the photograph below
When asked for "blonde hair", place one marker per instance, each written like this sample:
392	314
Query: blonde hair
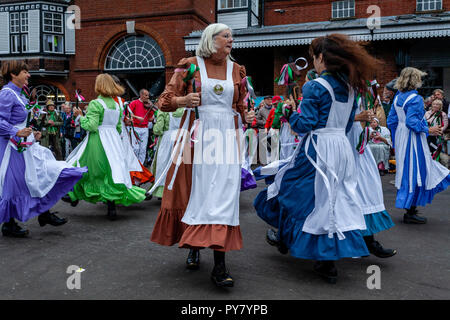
107	87
207	44
438	102
410	79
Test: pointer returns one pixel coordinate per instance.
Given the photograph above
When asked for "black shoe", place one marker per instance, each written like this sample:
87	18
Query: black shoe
148	197
159	199
67	199
413	219
51	219
221	277
112	213
193	259
326	270
12	229
272	239
377	249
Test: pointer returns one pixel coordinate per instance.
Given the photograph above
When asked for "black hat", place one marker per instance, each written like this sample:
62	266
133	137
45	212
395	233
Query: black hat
390	85
268	97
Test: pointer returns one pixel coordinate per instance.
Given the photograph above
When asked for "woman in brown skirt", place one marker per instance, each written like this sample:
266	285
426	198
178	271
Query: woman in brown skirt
200	207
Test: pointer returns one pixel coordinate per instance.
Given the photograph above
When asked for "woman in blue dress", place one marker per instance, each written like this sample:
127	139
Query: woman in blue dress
418	178
315	205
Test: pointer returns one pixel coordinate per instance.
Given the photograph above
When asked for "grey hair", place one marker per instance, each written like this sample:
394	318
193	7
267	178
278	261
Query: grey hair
410	79
207	46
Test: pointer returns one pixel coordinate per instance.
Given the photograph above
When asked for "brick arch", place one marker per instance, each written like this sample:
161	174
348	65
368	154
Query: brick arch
57	85
121	31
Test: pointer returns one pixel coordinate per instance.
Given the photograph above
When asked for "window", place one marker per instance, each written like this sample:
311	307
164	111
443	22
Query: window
232	4
53	22
135	53
429	5
24	21
15	44
19	32
14	22
343	9
24	42
53	43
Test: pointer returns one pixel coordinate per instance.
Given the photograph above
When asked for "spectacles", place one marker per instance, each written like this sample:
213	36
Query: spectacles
226	35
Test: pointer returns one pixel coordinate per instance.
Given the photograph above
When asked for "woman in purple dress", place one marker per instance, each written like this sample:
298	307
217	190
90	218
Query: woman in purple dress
31	180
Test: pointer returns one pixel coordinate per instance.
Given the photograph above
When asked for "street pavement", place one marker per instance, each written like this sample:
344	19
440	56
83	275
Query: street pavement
120	262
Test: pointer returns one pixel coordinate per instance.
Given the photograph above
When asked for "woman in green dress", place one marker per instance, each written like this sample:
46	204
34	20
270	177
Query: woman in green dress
108	179
166	124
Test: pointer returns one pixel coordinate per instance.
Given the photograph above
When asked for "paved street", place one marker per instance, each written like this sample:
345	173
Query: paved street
121	263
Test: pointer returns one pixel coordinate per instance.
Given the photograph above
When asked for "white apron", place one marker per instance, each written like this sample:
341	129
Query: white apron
216	171
287	141
41	168
165	150
370	189
112	144
336	209
435	171
131	160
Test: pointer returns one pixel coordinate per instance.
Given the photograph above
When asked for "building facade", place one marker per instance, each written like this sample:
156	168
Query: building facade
141	41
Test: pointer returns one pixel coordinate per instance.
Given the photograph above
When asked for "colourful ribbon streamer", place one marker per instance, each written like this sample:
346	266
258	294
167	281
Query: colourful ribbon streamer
21	145
190	76
366	101
286	76
79	96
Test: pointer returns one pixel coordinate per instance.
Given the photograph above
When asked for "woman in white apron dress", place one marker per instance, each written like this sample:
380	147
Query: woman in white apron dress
102	151
418	178
209	217
313	201
171	121
31	179
369	189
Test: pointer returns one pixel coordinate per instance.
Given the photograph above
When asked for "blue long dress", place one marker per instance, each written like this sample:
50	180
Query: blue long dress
303	193
418	176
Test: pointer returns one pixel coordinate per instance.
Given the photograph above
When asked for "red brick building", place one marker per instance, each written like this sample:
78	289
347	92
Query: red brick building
142	40
410	33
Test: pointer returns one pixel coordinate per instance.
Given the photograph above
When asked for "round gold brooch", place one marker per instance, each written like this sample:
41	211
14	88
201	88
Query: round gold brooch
218	89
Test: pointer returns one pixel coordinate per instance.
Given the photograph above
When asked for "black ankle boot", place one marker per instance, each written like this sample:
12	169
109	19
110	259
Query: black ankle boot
326	270
221	277
67	199
411	217
377	249
193	259
51	219
272	239
112	213
12	229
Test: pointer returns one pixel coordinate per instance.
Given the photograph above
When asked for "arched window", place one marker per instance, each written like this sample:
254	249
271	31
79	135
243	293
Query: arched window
45	92
135	52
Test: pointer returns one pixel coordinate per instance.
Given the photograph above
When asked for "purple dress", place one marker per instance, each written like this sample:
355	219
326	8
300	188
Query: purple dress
15	198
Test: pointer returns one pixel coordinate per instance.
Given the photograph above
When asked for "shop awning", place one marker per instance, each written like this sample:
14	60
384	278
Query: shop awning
392	28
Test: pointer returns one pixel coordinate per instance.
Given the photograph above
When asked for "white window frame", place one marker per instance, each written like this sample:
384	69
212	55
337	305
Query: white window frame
14	22
343	9
52	50
24	21
24	42
15	43
428	5
54	16
232	4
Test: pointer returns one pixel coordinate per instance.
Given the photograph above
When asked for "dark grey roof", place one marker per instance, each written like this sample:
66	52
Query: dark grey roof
388	21
391	28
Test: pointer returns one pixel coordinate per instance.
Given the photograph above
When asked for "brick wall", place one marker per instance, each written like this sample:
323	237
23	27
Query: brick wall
167	22
301	11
